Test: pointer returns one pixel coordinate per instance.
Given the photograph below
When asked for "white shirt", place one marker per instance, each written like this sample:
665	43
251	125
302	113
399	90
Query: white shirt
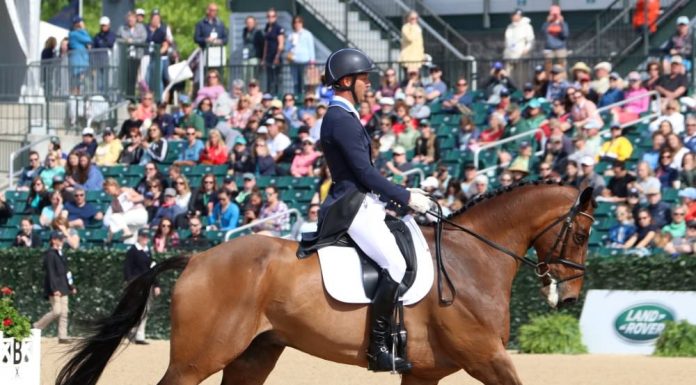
278	144
675	118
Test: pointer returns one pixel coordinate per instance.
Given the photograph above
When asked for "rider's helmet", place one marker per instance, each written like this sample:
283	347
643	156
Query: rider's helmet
346	62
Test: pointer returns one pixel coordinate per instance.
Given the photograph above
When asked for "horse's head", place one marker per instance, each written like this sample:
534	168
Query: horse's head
562	249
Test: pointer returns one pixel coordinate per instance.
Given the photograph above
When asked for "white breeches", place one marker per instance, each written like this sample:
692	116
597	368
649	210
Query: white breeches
370	232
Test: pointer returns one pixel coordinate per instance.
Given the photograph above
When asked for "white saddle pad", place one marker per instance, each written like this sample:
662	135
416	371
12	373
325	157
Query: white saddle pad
342	271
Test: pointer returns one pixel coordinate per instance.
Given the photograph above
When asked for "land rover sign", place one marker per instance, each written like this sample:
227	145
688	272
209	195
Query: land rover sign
630	322
642	323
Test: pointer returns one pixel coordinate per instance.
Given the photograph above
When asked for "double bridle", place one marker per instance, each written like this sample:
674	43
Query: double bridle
542	269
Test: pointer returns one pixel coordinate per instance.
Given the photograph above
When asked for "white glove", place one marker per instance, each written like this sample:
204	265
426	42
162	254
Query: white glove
419	202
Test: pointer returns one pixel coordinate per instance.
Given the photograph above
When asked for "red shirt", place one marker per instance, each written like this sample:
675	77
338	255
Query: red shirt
214	155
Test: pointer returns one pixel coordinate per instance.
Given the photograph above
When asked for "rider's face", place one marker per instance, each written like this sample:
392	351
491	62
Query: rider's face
362	85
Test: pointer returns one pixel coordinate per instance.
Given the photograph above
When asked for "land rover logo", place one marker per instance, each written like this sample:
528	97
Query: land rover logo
642	323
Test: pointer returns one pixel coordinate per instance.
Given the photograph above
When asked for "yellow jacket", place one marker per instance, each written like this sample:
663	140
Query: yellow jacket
412	51
107	153
619	148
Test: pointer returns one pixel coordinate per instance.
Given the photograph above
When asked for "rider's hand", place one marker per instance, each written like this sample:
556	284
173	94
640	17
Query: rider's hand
419	202
417	190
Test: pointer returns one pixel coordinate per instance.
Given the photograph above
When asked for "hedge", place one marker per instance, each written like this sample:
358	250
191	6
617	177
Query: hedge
98	277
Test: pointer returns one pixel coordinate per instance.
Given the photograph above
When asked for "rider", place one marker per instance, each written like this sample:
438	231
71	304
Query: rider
346	146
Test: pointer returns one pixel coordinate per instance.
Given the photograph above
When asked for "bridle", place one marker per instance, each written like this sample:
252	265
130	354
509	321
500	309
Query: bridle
541	269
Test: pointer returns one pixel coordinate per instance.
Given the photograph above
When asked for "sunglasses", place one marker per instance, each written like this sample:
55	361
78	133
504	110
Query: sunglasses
212	76
79	195
209	181
190	134
679	214
180	183
163	225
643	218
506	180
34	159
462	84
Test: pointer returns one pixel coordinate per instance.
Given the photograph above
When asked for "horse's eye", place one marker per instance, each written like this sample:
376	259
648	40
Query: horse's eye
580	238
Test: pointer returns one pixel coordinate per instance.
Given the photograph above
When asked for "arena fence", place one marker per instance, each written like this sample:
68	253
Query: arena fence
99	279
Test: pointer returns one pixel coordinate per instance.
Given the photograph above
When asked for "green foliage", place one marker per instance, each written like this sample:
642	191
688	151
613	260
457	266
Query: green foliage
553	333
12	323
677	340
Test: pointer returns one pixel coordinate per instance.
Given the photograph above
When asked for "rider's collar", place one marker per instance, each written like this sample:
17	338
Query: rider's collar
345	104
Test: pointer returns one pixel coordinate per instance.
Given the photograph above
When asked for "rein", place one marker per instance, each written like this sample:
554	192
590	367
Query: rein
541	269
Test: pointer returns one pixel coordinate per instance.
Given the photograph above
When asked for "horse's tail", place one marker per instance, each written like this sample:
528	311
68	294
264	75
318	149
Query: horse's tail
93	353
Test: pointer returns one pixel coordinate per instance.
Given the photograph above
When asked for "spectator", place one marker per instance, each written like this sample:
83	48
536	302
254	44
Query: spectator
146	108
158	34
495	130
240	157
498	81
688	200
571	176
140	16
690	134
225	214
479	187
153	198
205	111
412	48
204	198
556	33
684	244
243	113
665	172
86	176
38	197
81	213
79	43
196	240
601	82
60	186
211	30
677	227
427	149
546	172
460	99
505	179
639	15
133	152
675	145
389	86
265	165
635	104
126	213
660	211
556	155
524	159
614	93
212	90
109	150
57	287
652	156
653	69
88	144
408	135
27	237
273	206
165	239
687	175
192	149
70	235
410	83
303	163
386	109
674	85
645	179
617	189
399	163
53	210
419	109
274	36
215	151
300	52
436	88
252	207
49	50
132	32
131	123
534	120
30	172
138	262
586	88
183	192
309	225
519	42
52	169
645	232
593	179
155	147
277	141
621	232
617	147
585	113
104	39
252	47
557	86
673	116
680	43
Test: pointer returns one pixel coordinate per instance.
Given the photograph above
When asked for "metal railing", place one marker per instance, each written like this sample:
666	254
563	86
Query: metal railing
111	114
335	12
412	171
655	101
248	226
15	155
499	143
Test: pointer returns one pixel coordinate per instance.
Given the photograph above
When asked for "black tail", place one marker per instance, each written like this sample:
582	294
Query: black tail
94	352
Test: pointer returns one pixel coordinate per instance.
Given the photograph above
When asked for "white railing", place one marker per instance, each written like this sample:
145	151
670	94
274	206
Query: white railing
412	171
654	114
500	142
106	112
16	153
248	226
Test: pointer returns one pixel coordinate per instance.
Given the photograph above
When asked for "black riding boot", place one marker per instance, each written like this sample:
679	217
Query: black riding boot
380	357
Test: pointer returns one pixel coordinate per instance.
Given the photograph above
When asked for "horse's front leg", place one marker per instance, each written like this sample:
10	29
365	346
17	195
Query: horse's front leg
492	366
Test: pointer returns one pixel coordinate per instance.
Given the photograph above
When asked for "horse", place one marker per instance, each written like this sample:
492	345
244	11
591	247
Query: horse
236	306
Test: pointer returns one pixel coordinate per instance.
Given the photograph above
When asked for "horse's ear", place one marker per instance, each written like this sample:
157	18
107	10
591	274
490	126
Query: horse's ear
586	197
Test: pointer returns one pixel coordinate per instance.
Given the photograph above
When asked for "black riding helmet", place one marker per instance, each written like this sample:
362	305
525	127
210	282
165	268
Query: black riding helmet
347	62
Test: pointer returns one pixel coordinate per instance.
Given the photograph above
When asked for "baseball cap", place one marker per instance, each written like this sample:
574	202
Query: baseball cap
77	19
88	131
399	150
676	59
267	97
605	65
688	192
615	76
144	232
633	192
155	11
524	144
504	92
240	140
528	86
587	161
104	20
518	11
652	190
592	124
229	178
275	103
55	234
270	121
108	131
387	101
497	65
262	130
633	75
557	69
683	20
538	68
303	130
58	179
424	122
184	99
169	192
534	103
248	176
55	140
140	12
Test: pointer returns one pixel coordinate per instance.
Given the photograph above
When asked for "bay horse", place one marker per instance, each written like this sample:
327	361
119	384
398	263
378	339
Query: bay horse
236	306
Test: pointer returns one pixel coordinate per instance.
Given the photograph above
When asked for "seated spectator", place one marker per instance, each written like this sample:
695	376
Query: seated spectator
146	108
556	154
645	179
523	160
635	104
87	176
166	239
459	99
30	172
252	207
389	85
52	169
652	157
498	81
386	109
534	120
399	164
274	206
467	131
204	198
584	112
152	174
660	212
495	130
240	157
653	70
689	136
81	213
205	111
436	88
189	118
109	150
225	215
677	227
645	232
155	147
365	113
617	147
673	116
27	237
39	197
265	165
183	192
193	148
168	208
674	85
133	152
153	198
546	173
277	141
419	109
307	226
621	232
590	176
614	93
131	123
688	200
678	150
243	113
386	136
88	144
504	179
215	151
55	209
617	189
571	176
303	163
197	240
401	118
601	82
665	172
427	149
593	140
165	121
687	176
213	88
479	187
126	213
558	84
60	223
685	244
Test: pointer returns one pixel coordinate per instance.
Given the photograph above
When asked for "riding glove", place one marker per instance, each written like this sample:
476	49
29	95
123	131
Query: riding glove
419	202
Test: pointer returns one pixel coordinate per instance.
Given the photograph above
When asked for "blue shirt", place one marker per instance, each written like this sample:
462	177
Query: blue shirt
436	86
613	95
94	181
192	152
272	31
619	234
205	27
225	220
301	45
86	212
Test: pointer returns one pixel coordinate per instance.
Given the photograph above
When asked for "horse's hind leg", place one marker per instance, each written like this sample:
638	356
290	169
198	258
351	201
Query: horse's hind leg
497	369
254	366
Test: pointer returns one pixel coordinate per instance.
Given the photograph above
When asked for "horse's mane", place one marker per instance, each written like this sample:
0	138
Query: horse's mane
502	190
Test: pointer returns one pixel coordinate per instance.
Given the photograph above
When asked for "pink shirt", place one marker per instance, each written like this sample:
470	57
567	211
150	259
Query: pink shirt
212	92
637	106
302	164
587	110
